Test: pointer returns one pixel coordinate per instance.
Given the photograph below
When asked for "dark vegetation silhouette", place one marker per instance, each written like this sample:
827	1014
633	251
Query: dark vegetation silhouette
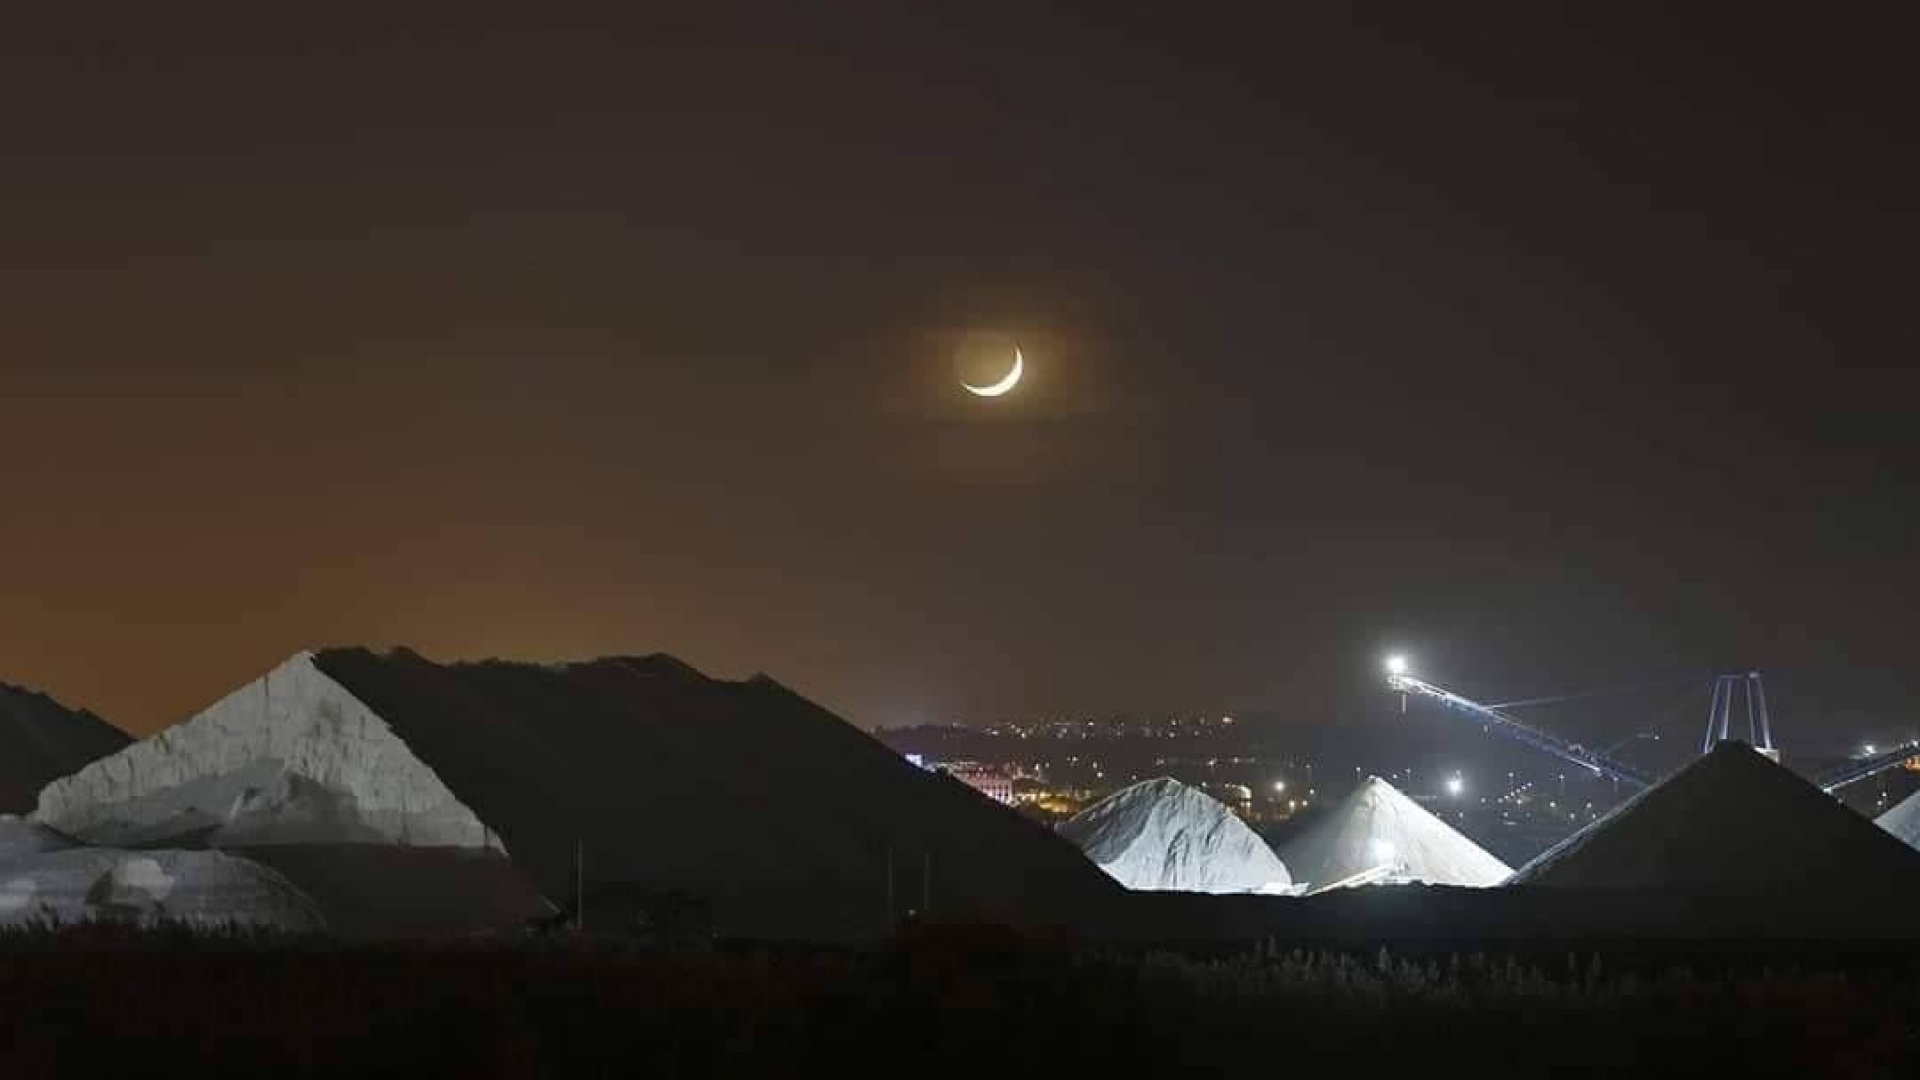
951	999
661	918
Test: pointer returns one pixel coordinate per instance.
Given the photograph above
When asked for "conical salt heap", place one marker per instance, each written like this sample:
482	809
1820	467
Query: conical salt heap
1378	834
1735	825
1162	835
410	798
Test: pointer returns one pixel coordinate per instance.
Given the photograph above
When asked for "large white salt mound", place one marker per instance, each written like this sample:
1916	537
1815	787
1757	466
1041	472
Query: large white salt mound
202	888
1163	835
290	758
1903	820
1378	834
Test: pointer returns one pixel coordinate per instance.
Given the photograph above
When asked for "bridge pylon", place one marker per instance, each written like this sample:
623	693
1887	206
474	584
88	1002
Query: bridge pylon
1720	713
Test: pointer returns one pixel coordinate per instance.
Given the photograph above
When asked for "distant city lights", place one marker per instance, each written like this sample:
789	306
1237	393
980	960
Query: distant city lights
1069	762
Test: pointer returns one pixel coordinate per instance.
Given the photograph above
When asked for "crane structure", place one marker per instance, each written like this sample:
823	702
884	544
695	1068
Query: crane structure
1399	679
1745	686
1873	765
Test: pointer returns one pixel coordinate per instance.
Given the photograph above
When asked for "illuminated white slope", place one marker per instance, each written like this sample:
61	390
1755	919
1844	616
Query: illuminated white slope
205	888
1163	835
290	758
1903	820
1377	833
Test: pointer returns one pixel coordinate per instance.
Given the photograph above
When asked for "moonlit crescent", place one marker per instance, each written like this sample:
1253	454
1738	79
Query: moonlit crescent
1011	380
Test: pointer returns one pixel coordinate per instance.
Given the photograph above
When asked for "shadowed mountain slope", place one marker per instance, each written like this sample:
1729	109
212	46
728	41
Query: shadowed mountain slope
787	818
1734	825
42	740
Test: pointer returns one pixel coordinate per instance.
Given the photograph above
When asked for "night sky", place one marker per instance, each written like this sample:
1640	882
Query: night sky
1557	353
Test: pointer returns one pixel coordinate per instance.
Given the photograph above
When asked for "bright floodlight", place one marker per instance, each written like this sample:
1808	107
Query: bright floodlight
1279	785
1382	850
1454	786
1396	664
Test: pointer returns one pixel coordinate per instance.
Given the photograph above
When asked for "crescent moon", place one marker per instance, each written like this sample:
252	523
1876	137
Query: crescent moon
1011	380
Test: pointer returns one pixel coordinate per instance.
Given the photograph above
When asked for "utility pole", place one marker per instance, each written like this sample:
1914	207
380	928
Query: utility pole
890	907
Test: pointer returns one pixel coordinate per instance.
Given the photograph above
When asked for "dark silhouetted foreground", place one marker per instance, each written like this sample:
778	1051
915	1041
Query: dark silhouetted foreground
944	1001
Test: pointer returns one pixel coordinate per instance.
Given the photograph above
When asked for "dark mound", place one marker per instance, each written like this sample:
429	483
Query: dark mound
1735	825
383	891
41	741
780	815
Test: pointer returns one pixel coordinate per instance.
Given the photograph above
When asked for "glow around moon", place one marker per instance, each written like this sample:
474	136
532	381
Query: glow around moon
1006	384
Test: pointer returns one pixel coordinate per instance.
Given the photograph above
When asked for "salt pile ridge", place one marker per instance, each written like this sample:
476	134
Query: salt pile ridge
784	818
42	740
204	888
1903	820
1734	823
1163	835
1378	834
47	875
409	797
290	758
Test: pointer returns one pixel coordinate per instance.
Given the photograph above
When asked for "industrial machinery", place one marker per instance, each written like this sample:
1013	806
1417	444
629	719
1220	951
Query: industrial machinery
1747	687
1399	678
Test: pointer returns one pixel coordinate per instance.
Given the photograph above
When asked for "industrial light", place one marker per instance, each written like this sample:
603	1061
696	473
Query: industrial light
1455	785
1382	850
1279	786
1396	664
